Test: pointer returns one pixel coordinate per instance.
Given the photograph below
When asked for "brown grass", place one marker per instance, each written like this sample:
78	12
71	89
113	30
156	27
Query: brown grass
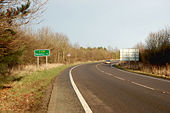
22	95
22	69
151	69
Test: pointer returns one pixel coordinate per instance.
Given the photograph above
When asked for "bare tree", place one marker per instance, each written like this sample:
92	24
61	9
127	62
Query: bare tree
158	47
14	13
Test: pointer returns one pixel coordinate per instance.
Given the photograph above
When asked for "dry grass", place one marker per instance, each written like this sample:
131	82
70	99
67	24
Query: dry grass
24	93
162	71
32	68
23	69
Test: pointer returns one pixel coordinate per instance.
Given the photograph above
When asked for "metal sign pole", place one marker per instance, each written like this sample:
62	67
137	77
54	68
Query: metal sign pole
38	61
135	57
42	52
46	61
129	58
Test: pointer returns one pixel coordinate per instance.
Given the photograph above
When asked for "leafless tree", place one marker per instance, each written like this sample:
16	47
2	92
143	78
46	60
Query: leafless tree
15	13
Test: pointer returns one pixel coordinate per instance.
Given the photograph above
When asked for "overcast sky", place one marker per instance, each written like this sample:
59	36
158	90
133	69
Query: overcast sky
116	23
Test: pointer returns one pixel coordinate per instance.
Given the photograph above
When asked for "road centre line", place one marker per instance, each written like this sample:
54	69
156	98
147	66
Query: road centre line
79	95
124	79
119	78
108	73
142	85
142	75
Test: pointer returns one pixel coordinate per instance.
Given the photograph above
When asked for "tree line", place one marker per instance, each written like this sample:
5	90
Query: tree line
18	42
20	49
13	15
156	49
60	47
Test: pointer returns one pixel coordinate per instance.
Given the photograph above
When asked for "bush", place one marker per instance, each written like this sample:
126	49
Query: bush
10	50
157	50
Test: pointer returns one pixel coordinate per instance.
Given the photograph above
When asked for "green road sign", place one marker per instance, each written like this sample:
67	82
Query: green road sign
42	52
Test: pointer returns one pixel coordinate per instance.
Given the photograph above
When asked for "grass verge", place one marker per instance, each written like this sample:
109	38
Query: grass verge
143	73
22	93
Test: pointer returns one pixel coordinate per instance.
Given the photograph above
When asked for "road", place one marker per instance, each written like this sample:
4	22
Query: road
109	90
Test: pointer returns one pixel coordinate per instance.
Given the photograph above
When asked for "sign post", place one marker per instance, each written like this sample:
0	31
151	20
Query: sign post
40	53
129	54
69	55
46	61
38	61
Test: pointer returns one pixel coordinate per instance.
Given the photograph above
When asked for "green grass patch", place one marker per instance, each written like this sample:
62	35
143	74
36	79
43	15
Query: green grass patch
26	90
38	79
141	72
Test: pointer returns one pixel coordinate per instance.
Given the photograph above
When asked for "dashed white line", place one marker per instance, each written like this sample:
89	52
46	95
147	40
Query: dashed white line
143	75
126	80
119	78
108	73
142	85
79	95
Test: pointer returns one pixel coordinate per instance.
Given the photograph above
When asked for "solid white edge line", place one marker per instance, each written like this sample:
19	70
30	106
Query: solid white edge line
79	95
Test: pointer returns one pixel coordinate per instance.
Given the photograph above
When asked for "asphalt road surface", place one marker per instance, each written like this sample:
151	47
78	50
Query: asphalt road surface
109	90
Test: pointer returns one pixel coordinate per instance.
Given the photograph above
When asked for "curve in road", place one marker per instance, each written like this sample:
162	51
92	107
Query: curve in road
110	90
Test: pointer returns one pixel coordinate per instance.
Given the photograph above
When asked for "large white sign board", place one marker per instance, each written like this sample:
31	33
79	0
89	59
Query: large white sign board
129	55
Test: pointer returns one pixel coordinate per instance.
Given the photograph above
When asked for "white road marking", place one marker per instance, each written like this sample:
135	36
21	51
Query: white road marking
79	95
126	80
119	78
143	85
143	75
109	73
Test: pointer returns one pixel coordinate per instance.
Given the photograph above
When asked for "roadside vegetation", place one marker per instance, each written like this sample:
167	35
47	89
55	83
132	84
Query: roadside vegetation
22	87
144	72
24	92
22	84
154	55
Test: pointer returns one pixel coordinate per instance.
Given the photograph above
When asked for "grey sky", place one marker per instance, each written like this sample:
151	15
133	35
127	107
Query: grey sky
116	23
